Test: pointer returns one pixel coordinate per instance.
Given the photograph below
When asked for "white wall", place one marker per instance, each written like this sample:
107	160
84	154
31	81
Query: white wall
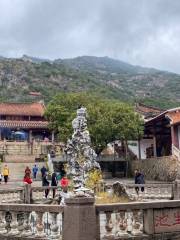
145	143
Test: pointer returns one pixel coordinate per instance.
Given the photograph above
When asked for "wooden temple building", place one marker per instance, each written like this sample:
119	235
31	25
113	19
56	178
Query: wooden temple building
164	132
23	121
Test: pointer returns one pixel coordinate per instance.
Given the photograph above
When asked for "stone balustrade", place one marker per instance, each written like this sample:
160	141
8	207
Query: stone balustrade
24	147
27	194
139	220
12	195
38	193
82	219
30	221
150	191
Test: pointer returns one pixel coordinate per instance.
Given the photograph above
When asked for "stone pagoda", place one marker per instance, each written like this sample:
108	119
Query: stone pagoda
81	157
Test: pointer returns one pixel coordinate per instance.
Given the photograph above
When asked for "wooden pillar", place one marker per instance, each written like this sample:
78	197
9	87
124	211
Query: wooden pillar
31	141
154	146
174	136
30	136
139	148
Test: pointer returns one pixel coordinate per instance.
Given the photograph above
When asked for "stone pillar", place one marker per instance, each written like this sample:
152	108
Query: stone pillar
139	149
27	193
148	221
176	190
30	135
79	219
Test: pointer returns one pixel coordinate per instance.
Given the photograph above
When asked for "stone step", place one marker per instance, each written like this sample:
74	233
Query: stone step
19	158
17	169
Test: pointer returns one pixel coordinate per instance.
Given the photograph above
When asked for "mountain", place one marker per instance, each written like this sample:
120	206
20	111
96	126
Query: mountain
100	75
34	59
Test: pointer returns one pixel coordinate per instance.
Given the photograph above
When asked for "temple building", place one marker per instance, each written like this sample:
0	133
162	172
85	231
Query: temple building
161	133
23	121
164	132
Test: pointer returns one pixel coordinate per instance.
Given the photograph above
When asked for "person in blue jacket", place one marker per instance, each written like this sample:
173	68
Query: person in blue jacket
139	179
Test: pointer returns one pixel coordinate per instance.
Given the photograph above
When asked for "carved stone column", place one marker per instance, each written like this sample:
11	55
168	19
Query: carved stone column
27	227
122	224
137	222
55	234
109	227
3	230
40	226
14	225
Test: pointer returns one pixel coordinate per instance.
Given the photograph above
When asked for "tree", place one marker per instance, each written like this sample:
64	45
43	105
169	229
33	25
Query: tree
107	120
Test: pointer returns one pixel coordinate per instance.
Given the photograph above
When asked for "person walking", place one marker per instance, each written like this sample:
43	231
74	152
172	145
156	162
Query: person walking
43	171
27	179
27	171
35	171
6	173
139	179
64	182
45	183
0	178
54	183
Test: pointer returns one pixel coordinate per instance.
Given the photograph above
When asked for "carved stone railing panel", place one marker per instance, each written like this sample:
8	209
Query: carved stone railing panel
31	221
120	225
139	220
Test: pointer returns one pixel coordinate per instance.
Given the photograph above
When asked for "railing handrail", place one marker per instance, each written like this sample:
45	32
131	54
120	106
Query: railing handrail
137	205
148	185
44	188
12	190
31	207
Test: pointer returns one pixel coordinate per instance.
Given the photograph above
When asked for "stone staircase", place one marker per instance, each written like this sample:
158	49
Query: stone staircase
18	163
19	158
17	169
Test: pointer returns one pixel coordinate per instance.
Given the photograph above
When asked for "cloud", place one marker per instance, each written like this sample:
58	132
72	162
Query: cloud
141	32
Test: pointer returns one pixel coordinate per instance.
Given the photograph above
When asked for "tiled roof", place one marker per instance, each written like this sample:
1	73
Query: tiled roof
174	116
22	109
23	124
147	109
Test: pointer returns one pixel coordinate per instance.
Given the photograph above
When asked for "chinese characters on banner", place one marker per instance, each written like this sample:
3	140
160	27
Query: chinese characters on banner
167	220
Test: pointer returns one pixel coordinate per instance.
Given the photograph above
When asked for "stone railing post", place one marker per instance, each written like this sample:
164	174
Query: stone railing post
80	216
148	217
27	193
176	190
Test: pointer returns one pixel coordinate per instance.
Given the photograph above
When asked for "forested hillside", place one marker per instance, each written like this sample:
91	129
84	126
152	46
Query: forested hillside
100	75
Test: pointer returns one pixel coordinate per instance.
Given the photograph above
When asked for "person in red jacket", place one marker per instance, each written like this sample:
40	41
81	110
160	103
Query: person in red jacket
27	179
64	182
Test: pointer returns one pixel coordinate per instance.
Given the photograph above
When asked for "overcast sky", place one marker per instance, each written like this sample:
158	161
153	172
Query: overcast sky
142	32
